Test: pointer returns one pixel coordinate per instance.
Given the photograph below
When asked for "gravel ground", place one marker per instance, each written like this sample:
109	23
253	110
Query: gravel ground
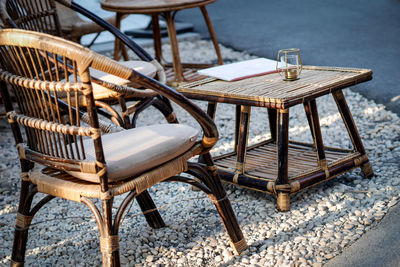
322	221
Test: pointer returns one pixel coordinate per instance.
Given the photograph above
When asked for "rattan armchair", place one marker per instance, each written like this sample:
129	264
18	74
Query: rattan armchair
44	16
63	157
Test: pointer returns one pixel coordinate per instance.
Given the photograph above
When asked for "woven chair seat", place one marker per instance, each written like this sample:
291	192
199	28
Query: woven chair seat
131	152
61	184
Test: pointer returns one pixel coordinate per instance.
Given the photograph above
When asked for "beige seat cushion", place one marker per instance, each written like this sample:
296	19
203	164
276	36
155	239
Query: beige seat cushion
131	152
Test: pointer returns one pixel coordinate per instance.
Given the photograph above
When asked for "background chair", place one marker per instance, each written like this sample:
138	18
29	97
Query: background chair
63	157
73	27
43	16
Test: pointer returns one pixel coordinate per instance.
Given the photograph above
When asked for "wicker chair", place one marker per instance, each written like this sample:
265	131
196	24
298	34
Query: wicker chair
74	27
64	157
43	16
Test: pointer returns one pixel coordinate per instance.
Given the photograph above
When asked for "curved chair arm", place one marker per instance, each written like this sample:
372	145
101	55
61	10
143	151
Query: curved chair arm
210	130
125	90
111	66
138	50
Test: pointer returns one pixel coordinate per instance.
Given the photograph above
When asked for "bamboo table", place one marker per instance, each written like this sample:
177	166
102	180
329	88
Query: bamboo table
277	165
180	72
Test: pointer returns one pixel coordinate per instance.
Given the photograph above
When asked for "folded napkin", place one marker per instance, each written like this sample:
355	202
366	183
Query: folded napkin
241	70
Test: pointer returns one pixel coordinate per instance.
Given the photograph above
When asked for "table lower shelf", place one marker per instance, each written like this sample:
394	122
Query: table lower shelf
261	166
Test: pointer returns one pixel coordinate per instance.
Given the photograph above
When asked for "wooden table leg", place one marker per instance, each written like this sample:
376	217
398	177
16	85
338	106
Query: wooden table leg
272	122
176	60
242	142
211	110
237	127
316	133
309	119
347	118
119	47
212	34
157	41
282	186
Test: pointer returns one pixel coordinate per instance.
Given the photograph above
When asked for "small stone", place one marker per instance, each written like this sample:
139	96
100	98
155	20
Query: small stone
218	258
392	203
379	216
329	256
245	261
338	235
191	245
367	221
348	226
150	258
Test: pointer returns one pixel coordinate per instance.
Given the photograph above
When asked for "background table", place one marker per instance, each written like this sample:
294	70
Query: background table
277	165
180	72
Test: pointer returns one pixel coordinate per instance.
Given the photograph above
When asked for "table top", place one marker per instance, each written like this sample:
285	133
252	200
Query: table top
272	91
151	6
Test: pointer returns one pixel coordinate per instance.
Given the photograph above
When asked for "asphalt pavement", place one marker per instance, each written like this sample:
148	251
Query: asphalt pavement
345	33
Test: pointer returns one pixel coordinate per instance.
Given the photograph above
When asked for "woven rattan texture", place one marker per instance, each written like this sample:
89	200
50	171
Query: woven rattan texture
261	160
272	89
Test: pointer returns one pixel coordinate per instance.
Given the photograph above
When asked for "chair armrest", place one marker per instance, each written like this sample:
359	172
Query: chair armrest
108	65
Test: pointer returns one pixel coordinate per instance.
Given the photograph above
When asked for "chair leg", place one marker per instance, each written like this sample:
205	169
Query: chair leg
156	37
22	225
109	245
24	218
223	205
212	34
109	239
169	18
149	210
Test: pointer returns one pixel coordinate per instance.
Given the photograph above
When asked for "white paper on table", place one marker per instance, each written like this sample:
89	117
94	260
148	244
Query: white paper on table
241	70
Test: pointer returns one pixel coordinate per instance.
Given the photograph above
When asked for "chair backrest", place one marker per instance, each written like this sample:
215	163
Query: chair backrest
34	15
41	69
